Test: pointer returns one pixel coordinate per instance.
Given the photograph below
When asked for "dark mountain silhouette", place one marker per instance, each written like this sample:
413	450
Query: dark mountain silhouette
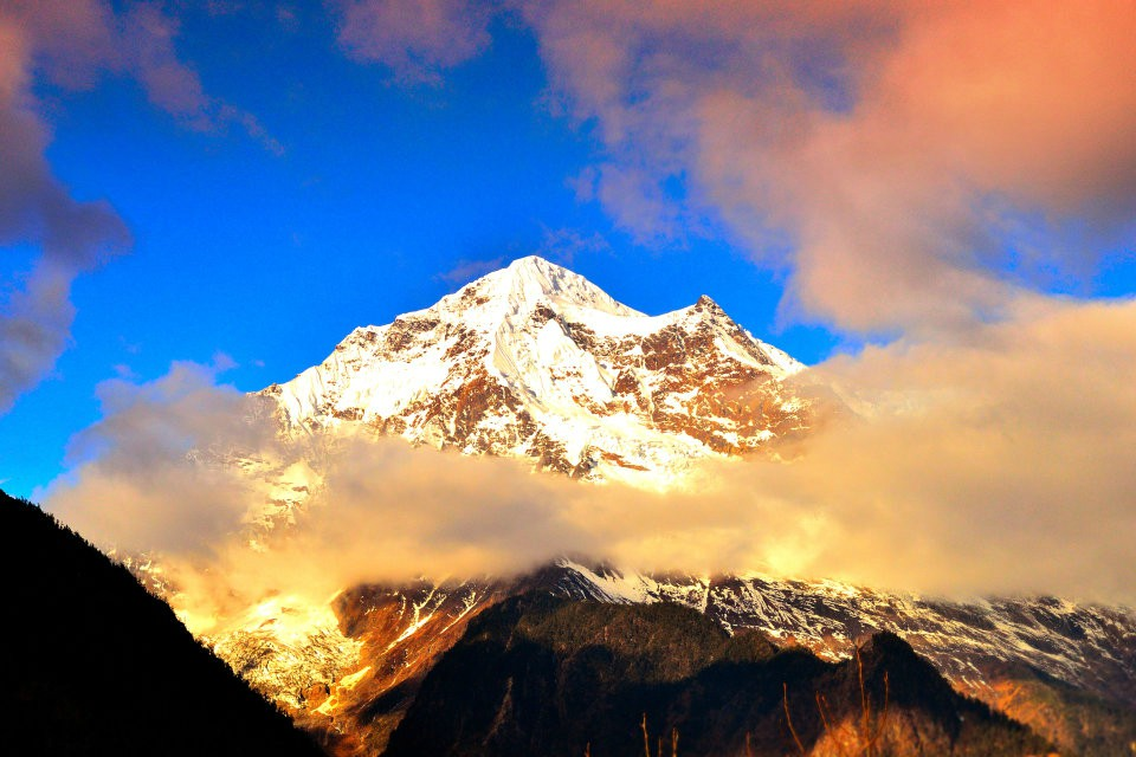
542	675
92	664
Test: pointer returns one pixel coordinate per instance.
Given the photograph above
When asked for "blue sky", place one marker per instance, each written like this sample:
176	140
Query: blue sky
365	182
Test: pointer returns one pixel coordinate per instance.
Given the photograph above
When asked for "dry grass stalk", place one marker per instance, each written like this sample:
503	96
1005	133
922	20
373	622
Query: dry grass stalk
658	741
789	719
864	739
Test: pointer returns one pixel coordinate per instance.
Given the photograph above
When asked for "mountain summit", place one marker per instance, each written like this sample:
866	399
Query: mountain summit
535	361
526	281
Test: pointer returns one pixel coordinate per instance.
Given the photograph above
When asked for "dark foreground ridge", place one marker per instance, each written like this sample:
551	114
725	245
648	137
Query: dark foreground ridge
538	675
92	664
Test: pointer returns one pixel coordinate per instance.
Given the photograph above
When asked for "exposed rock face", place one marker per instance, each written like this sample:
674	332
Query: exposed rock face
405	631
534	361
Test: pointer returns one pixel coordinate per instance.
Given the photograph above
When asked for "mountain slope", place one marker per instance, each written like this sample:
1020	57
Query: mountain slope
535	361
90	663
997	651
537	675
1093	647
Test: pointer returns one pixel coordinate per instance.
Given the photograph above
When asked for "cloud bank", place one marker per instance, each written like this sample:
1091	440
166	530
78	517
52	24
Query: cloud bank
995	464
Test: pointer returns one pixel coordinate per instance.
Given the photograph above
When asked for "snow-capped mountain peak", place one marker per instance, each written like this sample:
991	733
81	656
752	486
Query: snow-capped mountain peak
524	284
536	361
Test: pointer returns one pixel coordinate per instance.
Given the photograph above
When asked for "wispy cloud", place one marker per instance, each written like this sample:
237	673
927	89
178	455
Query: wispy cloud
909	166
563	245
72	44
140	448
467	270
416	39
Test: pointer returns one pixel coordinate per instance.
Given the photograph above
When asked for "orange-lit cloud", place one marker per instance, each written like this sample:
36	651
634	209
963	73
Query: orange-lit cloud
889	155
